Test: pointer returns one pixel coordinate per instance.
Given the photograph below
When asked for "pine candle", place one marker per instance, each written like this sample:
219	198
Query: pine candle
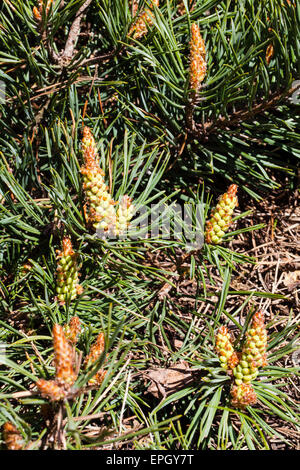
67	283
221	216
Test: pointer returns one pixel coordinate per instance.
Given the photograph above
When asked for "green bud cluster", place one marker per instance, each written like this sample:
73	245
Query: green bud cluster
100	207
225	349
253	353
221	216
243	366
100	202
67	282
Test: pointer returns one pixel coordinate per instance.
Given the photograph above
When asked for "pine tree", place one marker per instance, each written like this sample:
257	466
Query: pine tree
111	110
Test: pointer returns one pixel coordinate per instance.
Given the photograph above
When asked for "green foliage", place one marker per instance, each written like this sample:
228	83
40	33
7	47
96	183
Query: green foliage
133	94
148	83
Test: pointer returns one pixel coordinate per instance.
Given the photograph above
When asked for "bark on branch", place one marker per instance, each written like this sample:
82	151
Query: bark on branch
74	33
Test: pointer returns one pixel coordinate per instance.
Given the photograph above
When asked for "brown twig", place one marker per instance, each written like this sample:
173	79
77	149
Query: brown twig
55	88
68	52
106	56
10	5
65	56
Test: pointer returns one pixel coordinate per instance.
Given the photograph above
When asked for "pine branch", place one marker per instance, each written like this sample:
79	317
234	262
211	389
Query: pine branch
65	56
68	52
237	118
